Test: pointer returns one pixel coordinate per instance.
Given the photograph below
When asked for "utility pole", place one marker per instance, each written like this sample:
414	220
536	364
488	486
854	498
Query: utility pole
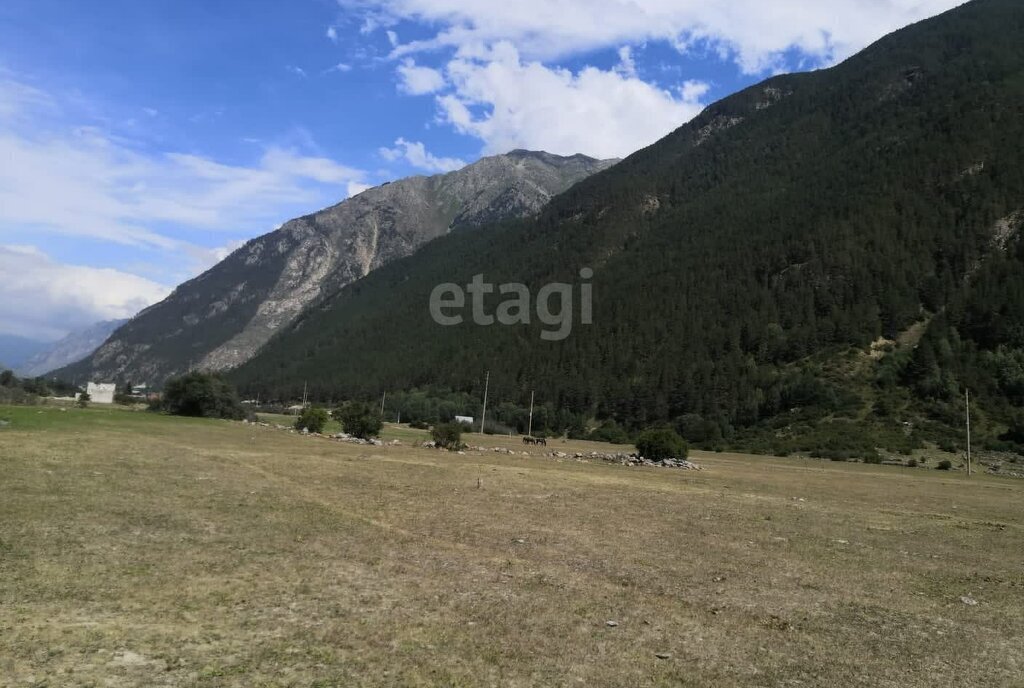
303	394
483	413
382	399
529	431
969	468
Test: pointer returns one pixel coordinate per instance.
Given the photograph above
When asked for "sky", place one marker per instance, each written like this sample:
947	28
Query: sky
141	142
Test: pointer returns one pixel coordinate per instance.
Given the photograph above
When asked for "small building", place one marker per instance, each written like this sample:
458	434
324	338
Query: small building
465	420
101	392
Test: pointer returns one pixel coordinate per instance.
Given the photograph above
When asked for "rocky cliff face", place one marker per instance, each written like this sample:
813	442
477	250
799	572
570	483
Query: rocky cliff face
222	318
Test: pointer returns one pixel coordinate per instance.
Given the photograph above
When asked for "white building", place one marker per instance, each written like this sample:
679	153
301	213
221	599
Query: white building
100	392
465	420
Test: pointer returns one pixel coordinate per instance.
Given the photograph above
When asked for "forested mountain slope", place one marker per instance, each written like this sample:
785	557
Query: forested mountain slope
745	264
221	318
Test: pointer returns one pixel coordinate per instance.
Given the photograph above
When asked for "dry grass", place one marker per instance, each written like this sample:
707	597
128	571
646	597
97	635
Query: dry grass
151	551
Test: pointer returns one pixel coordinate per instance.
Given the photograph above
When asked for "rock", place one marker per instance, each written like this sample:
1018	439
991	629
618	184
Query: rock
663	655
611	624
969	601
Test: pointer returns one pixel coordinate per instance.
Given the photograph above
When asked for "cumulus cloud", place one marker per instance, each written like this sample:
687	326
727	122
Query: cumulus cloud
509	103
45	300
501	83
332	34
415	153
416	80
752	32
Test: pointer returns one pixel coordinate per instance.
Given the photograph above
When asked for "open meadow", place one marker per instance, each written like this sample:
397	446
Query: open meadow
144	550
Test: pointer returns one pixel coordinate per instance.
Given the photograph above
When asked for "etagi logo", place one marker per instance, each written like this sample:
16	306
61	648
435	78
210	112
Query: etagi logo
554	306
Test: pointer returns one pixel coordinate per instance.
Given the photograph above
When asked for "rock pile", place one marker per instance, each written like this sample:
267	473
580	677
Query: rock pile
345	437
628	460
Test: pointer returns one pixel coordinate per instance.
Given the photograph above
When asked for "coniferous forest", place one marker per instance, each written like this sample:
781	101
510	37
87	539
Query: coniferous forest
824	263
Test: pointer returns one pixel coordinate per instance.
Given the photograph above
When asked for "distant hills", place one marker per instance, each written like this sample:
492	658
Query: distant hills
71	349
32	358
15	350
223	317
823	262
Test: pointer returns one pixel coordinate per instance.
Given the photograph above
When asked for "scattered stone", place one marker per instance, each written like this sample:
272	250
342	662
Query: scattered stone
519	541
969	601
663	655
611	624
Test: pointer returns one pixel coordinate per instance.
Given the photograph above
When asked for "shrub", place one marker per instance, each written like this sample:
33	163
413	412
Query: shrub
359	420
312	419
656	445
201	395
419	425
945	465
447	435
83	400
912	463
609	432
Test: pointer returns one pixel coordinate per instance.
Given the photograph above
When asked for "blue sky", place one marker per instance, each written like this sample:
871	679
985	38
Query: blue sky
140	142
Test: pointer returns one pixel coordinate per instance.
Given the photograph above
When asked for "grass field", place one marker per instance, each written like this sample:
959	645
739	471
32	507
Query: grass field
140	550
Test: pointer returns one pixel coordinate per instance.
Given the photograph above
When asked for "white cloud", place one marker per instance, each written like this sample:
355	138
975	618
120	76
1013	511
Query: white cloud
416	154
754	32
340	67
297	71
627	65
416	80
501	82
511	104
356	188
46	300
80	181
59	179
332	34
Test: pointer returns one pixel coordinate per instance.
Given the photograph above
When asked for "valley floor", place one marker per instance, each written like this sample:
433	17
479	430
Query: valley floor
140	550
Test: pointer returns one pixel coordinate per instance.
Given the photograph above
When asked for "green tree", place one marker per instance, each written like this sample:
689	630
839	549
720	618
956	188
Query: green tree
657	445
312	419
201	395
359	420
83	400
447	435
7	379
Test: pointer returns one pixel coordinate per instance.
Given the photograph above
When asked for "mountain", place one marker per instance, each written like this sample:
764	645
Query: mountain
221	318
15	350
769	272
73	348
